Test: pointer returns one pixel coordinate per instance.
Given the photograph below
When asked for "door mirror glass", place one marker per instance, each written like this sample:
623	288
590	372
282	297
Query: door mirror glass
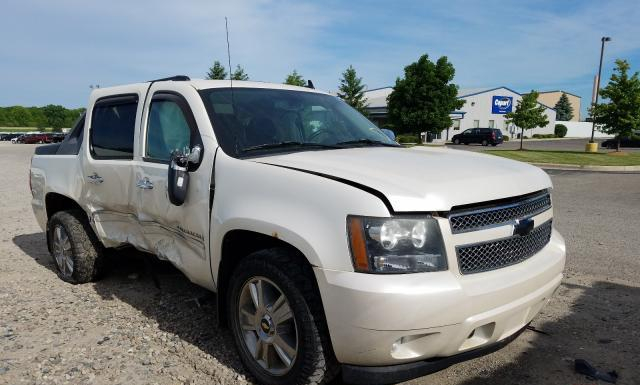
194	155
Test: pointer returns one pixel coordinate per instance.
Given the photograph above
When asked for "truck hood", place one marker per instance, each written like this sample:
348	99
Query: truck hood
421	178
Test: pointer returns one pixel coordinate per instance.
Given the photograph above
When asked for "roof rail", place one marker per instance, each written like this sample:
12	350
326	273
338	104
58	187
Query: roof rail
176	78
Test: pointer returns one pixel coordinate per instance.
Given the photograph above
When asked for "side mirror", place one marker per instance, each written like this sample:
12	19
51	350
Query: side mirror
390	134
178	181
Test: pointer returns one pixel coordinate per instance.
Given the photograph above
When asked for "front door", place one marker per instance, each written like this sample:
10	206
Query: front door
175	233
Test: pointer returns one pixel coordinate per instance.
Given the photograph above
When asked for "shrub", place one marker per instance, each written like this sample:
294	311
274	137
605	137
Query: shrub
408	138
505	138
542	136
560	130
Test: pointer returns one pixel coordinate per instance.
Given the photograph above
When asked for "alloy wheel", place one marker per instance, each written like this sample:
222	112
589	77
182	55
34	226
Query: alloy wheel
267	325
62	251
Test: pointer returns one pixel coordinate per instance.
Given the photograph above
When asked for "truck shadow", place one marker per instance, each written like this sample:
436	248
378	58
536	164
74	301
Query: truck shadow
158	290
595	320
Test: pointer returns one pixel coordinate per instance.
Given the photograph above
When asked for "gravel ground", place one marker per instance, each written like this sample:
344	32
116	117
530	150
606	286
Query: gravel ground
126	330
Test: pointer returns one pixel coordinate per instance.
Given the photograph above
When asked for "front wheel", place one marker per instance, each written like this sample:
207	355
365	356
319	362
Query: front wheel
456	141
494	144
278	327
485	142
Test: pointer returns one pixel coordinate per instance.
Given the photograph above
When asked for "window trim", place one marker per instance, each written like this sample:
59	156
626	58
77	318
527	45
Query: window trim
113	100
183	104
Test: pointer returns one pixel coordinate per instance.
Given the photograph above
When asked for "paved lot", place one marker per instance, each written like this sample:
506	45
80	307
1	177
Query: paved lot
123	329
537	144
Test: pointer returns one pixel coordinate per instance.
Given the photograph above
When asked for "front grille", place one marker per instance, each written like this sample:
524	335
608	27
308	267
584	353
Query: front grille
500	253
475	219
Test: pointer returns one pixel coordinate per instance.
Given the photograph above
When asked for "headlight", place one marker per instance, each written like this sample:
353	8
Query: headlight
396	245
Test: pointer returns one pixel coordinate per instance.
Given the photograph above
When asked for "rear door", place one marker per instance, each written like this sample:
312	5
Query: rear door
179	234
107	167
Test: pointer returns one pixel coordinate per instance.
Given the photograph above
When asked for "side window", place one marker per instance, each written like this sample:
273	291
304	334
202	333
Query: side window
167	130
112	127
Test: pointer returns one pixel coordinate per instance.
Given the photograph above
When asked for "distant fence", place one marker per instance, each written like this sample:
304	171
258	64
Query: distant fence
581	130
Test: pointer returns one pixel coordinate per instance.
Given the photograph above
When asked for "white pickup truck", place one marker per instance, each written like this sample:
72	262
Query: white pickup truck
332	249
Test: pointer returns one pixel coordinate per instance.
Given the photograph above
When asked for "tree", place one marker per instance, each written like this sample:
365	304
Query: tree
55	115
239	74
351	90
560	130
217	72
564	110
621	115
424	98
529	114
295	79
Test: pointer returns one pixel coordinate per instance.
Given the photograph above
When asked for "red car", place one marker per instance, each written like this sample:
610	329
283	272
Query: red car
37	138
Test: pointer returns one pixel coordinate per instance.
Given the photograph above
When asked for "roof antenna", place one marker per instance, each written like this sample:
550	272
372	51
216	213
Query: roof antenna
226	26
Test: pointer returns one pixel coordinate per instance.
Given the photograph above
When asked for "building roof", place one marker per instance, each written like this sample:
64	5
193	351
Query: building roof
377	97
551	92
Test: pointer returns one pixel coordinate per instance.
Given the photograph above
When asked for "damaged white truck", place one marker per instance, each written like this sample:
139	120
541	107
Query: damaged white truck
332	249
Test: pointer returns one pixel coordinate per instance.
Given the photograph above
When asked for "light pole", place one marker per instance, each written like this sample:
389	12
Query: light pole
593	127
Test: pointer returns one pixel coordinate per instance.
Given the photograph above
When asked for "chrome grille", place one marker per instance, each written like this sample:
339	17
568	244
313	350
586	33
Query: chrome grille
500	253
476	219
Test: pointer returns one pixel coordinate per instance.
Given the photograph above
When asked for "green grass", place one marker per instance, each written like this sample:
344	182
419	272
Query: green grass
24	129
572	157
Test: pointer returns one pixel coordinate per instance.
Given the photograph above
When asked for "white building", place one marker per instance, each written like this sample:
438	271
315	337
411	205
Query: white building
484	107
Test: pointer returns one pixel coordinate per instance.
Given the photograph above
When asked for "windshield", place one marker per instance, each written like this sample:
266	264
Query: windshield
255	121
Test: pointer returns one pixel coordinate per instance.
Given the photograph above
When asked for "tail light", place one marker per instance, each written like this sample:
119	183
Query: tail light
493	134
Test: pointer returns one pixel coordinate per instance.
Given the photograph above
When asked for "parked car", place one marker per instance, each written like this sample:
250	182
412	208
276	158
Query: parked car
7	137
633	141
327	252
484	136
57	137
18	139
37	138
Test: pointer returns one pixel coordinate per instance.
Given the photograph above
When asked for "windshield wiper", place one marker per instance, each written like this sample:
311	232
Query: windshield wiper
367	142
268	146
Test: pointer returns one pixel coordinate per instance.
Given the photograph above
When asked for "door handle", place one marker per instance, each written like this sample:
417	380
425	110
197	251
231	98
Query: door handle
95	178
144	184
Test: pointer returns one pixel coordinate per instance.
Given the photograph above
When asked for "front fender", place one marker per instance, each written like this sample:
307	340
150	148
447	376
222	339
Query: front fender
307	211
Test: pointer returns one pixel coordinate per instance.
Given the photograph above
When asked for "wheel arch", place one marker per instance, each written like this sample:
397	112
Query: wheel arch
55	202
236	245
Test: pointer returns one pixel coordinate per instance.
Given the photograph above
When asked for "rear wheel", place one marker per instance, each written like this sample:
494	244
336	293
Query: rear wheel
277	323
485	142
456	141
76	251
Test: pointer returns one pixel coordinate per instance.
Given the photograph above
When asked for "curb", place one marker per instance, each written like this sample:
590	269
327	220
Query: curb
577	167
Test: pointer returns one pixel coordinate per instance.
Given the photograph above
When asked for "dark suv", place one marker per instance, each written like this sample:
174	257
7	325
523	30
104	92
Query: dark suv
484	136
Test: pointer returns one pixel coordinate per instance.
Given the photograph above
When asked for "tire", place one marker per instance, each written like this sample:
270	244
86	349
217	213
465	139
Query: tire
312	361
456	141
466	143
82	258
494	144
485	142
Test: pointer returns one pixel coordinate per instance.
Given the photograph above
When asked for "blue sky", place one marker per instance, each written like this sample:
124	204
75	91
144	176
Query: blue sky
52	51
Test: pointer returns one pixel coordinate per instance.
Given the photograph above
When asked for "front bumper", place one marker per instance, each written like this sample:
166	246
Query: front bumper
368	375
382	320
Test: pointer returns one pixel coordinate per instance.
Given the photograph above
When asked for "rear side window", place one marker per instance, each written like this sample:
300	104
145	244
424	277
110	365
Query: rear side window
168	130
113	127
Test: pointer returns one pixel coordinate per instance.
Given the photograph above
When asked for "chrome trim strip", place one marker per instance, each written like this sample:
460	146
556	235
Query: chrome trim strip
488	209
